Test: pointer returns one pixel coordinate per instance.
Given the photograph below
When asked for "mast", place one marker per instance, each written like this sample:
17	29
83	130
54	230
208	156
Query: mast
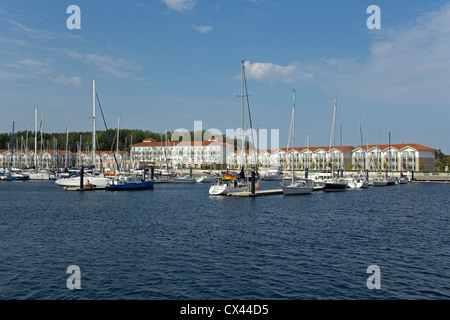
26	148
242	103
12	147
389	151
361	144
93	123
67	143
35	139
117	146
293	137
333	137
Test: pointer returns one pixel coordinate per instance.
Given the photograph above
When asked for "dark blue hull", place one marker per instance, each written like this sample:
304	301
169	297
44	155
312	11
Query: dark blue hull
335	187
131	186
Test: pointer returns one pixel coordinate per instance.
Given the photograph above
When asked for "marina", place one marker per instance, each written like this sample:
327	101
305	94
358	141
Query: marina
176	241
208	157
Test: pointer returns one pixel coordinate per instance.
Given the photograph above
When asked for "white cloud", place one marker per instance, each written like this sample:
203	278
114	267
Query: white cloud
406	65
31	63
269	72
180	5
118	67
202	29
74	80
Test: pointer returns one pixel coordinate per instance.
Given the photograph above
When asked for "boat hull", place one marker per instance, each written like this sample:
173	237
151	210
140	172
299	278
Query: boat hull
100	183
380	183
224	189
288	190
131	186
358	184
40	176
335	187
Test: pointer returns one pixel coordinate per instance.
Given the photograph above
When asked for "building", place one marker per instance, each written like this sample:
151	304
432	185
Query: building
397	157
180	154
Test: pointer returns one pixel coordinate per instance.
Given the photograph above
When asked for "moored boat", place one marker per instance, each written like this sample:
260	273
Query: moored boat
129	183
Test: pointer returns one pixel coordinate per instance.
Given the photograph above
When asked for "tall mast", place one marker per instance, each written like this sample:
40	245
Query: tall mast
333	137
293	136
35	139
389	151
361	143
67	143
117	146
26	148
93	123
242	98
12	147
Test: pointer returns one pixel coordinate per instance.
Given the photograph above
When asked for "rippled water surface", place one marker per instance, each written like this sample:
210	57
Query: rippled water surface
177	242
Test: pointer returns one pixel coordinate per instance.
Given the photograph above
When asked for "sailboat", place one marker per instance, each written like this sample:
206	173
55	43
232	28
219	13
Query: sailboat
360	182
391	181
37	174
99	181
294	186
379	181
227	184
334	184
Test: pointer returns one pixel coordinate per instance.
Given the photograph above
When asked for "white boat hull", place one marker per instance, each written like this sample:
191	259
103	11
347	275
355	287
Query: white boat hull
292	190
40	176
98	182
379	183
358	184
273	177
205	179
224	189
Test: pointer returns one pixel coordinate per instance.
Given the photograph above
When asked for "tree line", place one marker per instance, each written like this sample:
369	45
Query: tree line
106	140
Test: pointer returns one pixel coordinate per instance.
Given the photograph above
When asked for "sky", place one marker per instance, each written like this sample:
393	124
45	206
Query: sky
163	64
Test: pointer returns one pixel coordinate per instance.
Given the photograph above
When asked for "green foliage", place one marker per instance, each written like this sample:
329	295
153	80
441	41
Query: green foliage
442	160
106	140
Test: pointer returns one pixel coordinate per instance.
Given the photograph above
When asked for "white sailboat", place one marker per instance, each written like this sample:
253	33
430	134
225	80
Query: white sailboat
99	181
379	181
239	184
360	181
37	174
335	184
294	186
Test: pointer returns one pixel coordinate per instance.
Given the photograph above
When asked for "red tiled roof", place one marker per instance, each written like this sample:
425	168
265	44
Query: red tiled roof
397	146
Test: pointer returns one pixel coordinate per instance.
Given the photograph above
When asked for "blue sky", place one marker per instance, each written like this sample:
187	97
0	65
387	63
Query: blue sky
163	64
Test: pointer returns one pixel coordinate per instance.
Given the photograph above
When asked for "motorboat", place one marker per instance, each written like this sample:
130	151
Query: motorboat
206	179
273	174
403	180
358	182
184	179
39	175
223	187
379	182
392	181
302	186
129	183
335	185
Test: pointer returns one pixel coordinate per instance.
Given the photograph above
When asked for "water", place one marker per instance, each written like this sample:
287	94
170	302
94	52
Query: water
176	242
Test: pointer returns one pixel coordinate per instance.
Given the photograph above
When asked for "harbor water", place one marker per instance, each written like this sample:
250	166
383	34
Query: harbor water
176	242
